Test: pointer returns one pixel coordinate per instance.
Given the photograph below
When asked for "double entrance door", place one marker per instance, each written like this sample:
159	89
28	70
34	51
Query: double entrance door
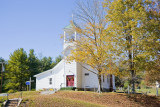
70	80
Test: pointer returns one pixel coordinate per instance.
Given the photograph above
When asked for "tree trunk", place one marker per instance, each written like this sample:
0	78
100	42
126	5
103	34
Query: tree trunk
21	81
131	65
100	82
133	81
111	84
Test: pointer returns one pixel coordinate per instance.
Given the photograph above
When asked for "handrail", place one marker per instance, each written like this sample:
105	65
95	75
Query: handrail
19	99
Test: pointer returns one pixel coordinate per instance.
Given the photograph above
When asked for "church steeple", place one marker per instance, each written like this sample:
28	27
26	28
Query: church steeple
70	35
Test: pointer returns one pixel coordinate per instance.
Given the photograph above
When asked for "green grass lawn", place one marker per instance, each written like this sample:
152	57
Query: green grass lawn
85	99
150	91
35	99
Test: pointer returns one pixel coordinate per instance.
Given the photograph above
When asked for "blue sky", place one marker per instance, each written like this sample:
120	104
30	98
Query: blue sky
33	24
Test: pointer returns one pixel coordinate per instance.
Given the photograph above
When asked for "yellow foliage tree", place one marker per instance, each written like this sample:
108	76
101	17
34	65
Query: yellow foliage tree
134	32
93	47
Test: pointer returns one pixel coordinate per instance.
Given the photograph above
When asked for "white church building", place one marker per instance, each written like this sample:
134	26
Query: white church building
71	74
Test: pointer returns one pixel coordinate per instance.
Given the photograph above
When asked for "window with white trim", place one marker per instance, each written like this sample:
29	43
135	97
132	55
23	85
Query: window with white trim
86	74
50	81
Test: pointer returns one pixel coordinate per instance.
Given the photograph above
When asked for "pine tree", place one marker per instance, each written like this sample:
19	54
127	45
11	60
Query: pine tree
33	66
45	64
56	61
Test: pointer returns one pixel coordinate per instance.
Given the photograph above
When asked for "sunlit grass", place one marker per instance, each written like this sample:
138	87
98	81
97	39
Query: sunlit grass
84	99
150	91
35	99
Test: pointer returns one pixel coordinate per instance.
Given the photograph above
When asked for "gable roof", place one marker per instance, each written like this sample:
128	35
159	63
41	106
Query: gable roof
50	70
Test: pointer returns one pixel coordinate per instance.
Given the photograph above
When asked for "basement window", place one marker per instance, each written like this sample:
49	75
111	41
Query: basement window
50	81
86	74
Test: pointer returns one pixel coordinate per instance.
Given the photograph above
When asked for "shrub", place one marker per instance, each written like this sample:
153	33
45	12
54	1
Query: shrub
143	85
33	90
11	91
68	88
126	84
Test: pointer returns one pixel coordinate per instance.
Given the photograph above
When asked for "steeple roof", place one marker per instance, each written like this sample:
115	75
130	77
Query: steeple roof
70	26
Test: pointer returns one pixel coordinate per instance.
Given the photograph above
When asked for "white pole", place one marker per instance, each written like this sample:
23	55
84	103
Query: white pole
157	86
156	91
75	35
64	36
72	17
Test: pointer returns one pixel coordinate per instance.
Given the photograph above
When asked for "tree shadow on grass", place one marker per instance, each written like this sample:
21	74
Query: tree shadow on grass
145	100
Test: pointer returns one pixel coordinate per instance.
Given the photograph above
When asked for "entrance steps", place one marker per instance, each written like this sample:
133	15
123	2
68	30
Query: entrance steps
13	102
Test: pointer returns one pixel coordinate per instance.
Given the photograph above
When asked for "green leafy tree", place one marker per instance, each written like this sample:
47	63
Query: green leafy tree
18	72
34	65
56	61
45	64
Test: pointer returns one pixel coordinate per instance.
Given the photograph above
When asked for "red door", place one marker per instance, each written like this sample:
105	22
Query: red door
70	80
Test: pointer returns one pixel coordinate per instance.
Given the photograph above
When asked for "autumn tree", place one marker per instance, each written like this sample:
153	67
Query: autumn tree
133	33
153	26
153	74
92	45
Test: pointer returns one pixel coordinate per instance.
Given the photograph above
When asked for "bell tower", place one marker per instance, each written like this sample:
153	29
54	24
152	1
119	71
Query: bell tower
70	69
70	35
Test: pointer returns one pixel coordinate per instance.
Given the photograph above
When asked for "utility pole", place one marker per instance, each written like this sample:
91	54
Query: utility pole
30	84
2	76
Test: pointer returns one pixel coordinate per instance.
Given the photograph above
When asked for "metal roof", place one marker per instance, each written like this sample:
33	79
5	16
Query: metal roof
70	26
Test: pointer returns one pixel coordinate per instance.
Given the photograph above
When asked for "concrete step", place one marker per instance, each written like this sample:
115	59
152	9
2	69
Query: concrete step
12	103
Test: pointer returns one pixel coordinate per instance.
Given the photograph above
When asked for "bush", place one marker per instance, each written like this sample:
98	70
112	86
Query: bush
11	91
126	84
143	85
51	89
68	88
33	90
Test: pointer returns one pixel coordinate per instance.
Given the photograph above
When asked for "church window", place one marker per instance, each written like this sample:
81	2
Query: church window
86	74
50	81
